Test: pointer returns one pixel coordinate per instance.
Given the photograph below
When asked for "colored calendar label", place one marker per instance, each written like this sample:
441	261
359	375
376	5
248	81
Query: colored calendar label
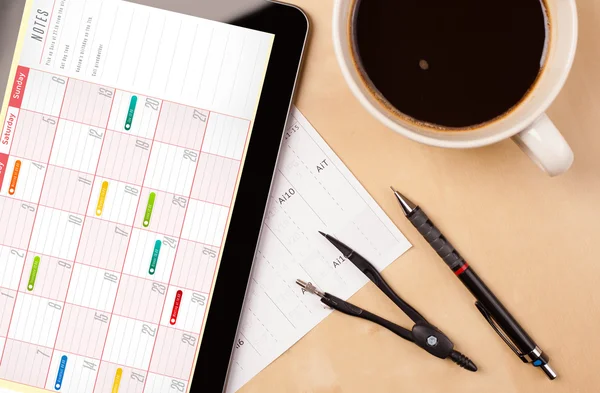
149	208
121	147
15	177
155	255
101	198
117	381
130	112
176	306
33	274
61	372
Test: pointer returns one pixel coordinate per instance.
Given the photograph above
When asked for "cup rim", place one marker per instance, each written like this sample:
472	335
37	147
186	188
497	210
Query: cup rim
339	24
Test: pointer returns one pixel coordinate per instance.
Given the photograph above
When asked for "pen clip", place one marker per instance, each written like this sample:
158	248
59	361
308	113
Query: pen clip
486	314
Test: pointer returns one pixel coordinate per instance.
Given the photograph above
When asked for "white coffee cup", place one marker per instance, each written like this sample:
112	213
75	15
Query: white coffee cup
527	124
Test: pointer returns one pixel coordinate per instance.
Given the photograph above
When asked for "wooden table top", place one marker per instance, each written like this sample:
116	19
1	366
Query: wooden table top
529	236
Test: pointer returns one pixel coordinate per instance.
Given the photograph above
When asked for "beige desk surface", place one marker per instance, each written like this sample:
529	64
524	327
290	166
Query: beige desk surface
529	236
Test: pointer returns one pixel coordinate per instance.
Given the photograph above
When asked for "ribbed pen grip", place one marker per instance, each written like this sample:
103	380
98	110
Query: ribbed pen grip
435	238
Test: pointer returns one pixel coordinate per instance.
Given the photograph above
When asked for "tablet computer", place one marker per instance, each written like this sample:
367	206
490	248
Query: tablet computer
138	145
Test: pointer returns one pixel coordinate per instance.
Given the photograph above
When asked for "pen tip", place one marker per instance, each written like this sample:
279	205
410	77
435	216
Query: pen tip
407	206
324	234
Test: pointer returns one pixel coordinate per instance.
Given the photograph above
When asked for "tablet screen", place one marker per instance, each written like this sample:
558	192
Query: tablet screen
124	133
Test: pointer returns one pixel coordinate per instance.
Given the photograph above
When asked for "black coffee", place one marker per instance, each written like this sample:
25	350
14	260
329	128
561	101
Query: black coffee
451	63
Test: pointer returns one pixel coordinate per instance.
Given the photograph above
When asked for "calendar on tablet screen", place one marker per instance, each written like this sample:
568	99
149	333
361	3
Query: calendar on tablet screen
124	132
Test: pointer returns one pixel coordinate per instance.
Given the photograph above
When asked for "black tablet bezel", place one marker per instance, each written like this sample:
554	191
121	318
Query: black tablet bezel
290	28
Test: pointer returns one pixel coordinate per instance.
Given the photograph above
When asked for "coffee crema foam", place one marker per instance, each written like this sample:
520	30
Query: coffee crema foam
449	65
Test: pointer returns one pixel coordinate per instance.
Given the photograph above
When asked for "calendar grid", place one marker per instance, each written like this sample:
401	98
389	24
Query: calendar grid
163	100
171	275
114	314
116	180
127	249
79	240
215	268
72	353
114	222
118	170
30	236
110	271
180	146
103	182
125	133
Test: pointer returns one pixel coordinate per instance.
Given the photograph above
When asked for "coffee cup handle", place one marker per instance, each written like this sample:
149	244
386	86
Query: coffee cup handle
546	146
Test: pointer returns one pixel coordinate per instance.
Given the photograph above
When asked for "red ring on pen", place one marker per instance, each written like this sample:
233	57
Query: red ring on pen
462	269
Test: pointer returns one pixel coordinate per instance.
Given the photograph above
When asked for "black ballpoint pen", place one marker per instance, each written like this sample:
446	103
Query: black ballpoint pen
423	334
490	307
